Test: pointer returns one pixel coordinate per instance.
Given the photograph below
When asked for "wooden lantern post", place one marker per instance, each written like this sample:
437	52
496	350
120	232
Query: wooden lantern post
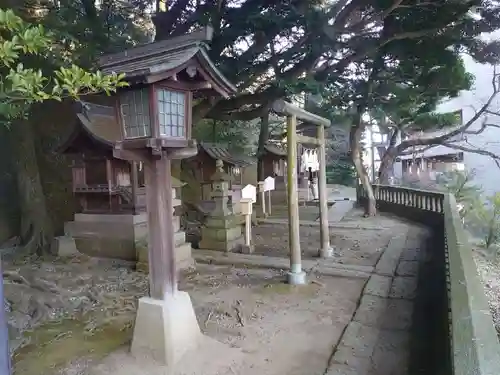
292	113
155	114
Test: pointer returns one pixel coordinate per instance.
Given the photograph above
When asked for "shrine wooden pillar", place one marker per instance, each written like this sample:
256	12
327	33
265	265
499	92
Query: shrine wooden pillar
296	275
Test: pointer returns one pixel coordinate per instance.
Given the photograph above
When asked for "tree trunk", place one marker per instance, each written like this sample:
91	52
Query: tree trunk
387	162
355	145
263	138
36	230
386	165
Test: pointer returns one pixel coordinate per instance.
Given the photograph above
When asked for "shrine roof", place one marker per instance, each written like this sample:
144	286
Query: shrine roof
96	128
160	60
219	151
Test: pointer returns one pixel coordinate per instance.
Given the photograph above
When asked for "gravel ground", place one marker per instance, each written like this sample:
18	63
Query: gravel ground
489	270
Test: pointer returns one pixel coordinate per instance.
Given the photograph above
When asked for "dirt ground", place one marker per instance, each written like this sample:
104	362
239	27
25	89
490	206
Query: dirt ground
65	317
353	246
249	309
308	213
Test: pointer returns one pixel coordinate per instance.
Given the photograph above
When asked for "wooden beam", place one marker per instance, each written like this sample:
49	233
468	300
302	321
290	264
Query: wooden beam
284	108
308	140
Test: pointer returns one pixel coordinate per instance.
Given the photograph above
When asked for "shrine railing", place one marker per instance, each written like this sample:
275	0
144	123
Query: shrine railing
454	331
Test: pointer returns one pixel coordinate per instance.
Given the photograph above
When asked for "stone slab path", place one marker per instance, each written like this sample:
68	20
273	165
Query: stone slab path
377	340
337	212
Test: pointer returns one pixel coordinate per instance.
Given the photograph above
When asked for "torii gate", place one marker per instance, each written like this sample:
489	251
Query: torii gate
296	276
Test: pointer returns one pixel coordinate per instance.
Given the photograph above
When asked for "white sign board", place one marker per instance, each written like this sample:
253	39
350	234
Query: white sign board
269	184
249	192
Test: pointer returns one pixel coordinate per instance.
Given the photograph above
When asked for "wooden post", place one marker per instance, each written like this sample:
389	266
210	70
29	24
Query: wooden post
135	185
162	269
262	193
5	367
325	251
269	202
248	230
296	276
109	175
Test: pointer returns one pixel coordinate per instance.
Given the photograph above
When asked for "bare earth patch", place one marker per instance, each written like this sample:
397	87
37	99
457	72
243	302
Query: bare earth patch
308	213
353	246
489	270
66	317
250	311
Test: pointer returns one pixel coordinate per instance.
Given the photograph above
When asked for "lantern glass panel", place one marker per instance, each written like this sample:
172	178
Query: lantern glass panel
134	110
171	113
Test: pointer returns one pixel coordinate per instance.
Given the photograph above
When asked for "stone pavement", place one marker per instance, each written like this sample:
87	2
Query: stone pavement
337	212
377	340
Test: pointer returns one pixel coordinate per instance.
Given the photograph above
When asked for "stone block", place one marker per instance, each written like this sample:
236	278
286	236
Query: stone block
351	358
228	245
378	285
371	310
183	256
362	339
389	260
391	353
64	246
398	315
105	247
224	222
338	369
404	287
220	234
407	268
165	329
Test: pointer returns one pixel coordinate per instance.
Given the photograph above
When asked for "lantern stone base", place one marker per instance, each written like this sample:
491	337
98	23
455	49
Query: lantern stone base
64	246
222	234
329	253
165	330
296	278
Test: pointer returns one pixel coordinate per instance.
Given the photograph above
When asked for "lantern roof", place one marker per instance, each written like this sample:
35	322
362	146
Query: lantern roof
166	59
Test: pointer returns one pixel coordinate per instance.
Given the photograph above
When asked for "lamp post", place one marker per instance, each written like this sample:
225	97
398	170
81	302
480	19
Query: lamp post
155	114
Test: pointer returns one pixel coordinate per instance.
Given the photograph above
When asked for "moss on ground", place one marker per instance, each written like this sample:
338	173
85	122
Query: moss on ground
55	345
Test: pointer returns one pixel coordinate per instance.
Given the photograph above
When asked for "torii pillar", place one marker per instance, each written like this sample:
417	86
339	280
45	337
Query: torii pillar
296	276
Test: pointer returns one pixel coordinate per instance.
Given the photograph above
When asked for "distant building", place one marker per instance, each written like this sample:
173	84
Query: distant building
441	158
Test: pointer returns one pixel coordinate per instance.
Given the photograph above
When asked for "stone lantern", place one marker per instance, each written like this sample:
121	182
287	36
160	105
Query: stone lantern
155	113
222	229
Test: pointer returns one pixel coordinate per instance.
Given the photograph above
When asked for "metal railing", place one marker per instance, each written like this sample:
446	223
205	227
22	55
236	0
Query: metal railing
460	336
